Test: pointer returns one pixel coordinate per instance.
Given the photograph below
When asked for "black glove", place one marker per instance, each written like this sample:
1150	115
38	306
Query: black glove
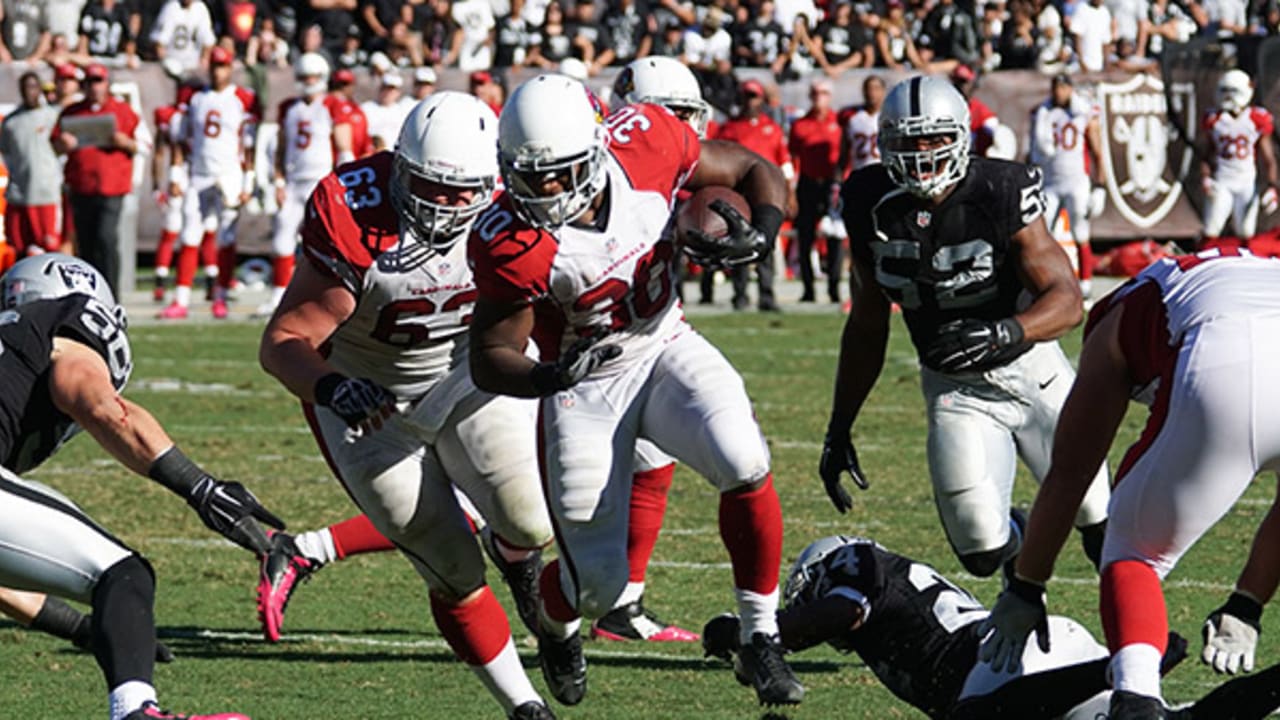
720	637
743	244
229	509
582	357
838	456
362	403
973	344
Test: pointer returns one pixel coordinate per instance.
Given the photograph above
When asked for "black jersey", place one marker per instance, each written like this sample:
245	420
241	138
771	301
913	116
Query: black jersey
920	635
107	30
31	428
950	262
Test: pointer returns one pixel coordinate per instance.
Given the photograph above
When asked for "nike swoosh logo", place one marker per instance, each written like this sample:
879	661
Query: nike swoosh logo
1048	382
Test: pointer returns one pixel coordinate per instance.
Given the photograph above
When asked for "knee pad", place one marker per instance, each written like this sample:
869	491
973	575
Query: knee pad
132	574
985	563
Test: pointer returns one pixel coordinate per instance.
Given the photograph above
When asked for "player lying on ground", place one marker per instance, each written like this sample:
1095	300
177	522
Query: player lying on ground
66	356
920	635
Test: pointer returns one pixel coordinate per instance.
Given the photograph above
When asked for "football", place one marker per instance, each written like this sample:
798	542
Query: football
696	213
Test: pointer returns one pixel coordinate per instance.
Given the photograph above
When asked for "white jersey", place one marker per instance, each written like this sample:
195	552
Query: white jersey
475	17
184	32
1058	141
218	125
1234	138
307	133
385	120
863	131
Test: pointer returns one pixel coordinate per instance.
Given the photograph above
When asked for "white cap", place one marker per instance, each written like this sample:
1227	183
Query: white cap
574	68
392	79
380	62
425	75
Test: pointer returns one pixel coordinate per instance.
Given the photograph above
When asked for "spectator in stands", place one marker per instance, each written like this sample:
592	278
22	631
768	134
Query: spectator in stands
1264	18
708	46
183	36
404	47
61	51
843	42
474	35
34	194
1094	30
333	17
387	113
555	43
1019	37
98	176
897	51
628	29
990	26
266	48
952	34
759	41
1167	22
1052	50
799	17
105	33
438	32
514	37
585	32
24	30
1225	18
352	53
424	83
669	41
377	17
64	18
1129	17
814	145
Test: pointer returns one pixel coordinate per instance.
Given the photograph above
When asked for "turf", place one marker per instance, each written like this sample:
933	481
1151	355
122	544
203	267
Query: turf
359	639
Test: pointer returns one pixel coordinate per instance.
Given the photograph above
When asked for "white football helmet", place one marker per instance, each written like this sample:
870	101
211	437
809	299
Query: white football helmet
917	107
311	66
552	126
667	82
1235	91
448	139
50	276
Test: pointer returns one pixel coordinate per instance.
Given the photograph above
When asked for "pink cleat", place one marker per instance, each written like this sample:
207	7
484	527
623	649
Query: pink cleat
220	309
150	711
633	622
174	311
283	568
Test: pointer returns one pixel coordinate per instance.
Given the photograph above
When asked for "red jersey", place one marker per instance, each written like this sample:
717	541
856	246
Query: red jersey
345	112
982	126
585	279
94	170
815	145
760	135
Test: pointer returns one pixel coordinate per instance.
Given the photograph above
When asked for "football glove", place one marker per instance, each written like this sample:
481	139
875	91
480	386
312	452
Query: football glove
970	344
363	404
721	637
838	456
579	361
743	244
229	509
1270	200
1231	635
1018	612
1097	202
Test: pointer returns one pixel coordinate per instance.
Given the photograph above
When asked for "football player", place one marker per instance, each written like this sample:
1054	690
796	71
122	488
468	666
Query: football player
1062	129
574	256
956	241
66	357
1192	337
1236	140
372	336
860	147
217	133
53	616
919	633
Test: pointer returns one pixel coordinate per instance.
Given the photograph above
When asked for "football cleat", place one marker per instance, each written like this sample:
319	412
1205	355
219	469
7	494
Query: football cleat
220	311
761	665
564	667
633	622
151	711
265	310
1127	705
173	311
532	710
282	569
158	293
521	578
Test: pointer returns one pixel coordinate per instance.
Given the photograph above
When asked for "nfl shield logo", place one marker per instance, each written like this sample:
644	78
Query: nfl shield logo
611	245
444	268
923	218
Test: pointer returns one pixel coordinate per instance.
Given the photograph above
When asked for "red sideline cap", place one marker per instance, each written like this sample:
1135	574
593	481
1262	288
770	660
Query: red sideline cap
343	77
962	73
95	71
480	77
220	56
753	87
66	71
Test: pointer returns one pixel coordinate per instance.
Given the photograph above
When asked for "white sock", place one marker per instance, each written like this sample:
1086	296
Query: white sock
317	545
211	271
1136	668
506	679
182	295
631	593
759	613
555	627
510	554
130	696
162	271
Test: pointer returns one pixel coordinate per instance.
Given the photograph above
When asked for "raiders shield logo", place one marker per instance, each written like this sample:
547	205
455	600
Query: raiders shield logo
1143	158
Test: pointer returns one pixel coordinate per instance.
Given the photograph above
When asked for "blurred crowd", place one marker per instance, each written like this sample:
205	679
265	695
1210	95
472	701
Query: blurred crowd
792	38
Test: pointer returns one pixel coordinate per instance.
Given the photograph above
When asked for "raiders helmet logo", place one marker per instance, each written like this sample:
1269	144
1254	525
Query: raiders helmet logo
77	278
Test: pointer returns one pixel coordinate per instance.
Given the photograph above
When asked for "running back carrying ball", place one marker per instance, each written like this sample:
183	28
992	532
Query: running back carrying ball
710	226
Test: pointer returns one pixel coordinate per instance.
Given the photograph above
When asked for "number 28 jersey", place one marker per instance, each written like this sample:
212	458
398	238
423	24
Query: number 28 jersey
948	262
413	305
919	634
31	427
619	278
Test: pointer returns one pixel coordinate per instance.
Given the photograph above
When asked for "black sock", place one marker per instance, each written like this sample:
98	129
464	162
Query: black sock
1091	537
124	632
61	620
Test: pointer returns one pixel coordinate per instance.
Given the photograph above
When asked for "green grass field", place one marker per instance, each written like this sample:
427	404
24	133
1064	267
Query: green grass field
360	642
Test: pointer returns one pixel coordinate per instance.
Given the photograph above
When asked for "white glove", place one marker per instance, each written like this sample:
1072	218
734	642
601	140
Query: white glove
1097	201
1231	635
1270	201
1019	611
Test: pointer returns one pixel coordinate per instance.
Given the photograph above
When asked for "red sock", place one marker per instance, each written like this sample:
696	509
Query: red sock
208	250
1086	260
751	528
226	265
281	270
164	250
477	630
648	505
553	599
356	536
188	261
1132	606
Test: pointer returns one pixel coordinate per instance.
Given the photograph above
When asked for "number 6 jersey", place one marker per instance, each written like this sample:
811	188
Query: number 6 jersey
948	262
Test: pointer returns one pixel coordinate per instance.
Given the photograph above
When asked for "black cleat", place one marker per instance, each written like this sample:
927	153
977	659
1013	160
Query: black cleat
564	667
1127	705
521	578
761	665
532	710
634	622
